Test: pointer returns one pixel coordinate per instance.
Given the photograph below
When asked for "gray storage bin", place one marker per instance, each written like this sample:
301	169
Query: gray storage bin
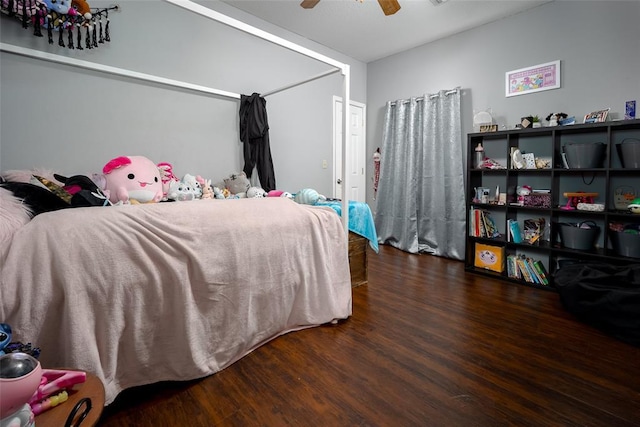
574	236
626	244
629	153
587	155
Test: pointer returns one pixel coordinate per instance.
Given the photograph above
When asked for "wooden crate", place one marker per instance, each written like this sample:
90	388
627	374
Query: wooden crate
358	259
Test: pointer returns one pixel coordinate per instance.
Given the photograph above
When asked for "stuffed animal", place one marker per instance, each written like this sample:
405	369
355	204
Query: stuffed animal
193	184
207	190
237	184
218	193
180	191
83	9
5	336
84	192
167	176
555	118
634	206
132	179
280	193
57	12
308	196
256	193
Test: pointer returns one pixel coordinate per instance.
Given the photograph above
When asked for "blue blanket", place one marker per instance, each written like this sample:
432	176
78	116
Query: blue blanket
360	219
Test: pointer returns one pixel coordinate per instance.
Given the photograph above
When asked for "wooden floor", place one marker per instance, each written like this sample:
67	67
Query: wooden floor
427	345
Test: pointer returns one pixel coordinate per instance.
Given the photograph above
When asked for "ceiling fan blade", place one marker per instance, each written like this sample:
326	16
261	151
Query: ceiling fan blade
389	7
309	4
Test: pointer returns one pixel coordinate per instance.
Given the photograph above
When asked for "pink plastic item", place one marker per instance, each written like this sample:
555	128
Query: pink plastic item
16	391
54	381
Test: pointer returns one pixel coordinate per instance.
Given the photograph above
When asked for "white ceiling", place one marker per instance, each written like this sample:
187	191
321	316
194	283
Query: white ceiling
360	30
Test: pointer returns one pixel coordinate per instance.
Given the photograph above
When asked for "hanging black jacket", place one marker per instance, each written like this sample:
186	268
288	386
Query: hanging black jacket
254	134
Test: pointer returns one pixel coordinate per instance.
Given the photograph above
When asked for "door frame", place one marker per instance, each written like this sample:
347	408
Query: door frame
337	145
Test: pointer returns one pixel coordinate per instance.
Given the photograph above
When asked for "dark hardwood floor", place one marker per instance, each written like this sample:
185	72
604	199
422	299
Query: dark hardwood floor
427	345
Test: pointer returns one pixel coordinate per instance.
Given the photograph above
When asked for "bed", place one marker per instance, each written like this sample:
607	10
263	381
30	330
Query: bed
138	294
174	291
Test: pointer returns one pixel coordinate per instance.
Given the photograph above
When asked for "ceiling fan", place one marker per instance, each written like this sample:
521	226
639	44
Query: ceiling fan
389	7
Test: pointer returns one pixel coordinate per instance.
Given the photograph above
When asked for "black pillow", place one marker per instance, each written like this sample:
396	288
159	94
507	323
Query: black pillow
40	200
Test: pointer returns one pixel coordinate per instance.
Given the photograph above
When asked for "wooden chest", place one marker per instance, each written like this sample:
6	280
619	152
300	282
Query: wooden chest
358	259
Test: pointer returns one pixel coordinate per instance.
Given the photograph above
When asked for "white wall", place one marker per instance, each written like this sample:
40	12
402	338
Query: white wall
598	43
74	121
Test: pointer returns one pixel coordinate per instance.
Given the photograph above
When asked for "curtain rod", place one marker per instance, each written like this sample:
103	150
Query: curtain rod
432	96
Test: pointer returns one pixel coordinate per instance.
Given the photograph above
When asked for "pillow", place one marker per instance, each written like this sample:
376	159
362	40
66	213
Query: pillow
13	214
24	175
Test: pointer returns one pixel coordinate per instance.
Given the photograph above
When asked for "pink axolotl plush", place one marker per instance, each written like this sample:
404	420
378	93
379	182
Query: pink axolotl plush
132	179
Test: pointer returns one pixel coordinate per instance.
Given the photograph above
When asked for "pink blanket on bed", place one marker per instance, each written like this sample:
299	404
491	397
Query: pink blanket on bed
171	291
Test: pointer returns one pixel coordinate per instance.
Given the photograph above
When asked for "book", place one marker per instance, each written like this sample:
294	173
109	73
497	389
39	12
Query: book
524	271
514	230
490	227
512	267
533	271
542	272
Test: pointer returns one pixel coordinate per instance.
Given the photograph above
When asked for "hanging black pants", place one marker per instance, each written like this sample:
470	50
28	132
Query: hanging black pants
254	134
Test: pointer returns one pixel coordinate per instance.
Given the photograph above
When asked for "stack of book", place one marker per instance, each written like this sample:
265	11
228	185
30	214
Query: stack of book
482	225
524	268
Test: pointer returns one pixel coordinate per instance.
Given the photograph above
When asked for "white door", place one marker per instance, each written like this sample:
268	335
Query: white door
357	151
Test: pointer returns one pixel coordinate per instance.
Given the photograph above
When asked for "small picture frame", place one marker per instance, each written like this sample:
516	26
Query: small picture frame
489	128
529	160
597	116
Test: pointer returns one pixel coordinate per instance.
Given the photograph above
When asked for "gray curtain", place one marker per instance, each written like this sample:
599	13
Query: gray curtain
420	203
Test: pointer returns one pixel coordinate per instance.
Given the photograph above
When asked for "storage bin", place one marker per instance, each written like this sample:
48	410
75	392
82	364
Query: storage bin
629	153
625	243
576	236
537	200
587	155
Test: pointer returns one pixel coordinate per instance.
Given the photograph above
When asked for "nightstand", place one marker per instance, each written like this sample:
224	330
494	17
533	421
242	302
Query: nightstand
57	416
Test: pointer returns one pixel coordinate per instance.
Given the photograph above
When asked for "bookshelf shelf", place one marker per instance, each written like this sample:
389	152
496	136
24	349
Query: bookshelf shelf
547	144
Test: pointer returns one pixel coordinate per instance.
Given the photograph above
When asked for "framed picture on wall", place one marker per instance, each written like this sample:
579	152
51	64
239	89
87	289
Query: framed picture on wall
533	79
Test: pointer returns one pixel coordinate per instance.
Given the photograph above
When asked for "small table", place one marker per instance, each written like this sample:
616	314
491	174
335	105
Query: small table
57	416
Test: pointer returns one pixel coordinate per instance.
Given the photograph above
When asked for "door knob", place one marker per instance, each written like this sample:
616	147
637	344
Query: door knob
339	181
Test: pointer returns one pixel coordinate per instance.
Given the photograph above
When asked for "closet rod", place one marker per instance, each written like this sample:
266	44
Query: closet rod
310	79
32	53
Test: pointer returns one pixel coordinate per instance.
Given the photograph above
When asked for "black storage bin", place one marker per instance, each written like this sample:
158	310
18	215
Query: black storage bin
576	236
604	296
625	244
586	155
629	153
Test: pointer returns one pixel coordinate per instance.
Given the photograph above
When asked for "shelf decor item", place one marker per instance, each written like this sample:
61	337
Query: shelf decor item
533	79
599	116
490	257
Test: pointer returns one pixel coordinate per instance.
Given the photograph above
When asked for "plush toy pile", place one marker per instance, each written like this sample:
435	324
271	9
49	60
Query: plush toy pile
73	23
124	180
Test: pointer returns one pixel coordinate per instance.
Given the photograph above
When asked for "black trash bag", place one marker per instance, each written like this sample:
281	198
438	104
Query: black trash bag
604	296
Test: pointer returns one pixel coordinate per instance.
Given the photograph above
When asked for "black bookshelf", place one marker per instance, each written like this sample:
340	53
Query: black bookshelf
612	182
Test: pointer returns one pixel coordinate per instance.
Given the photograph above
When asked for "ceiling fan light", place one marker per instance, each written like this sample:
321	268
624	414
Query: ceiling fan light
438	2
